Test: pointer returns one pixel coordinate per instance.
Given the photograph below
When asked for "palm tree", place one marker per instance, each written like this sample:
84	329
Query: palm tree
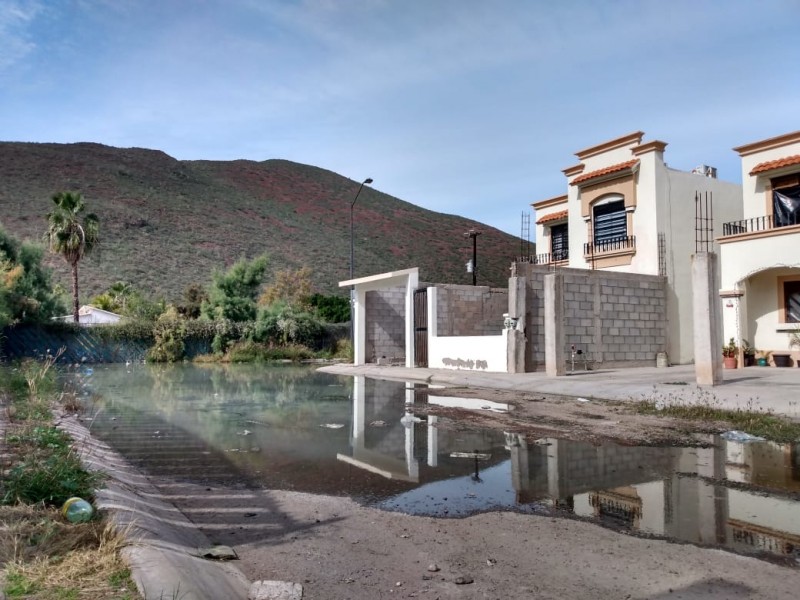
70	236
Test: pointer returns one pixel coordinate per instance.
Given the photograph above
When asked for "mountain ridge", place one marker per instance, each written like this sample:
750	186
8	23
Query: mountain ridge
167	223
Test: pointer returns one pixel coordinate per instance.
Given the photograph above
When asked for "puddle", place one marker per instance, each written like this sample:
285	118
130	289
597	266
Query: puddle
292	428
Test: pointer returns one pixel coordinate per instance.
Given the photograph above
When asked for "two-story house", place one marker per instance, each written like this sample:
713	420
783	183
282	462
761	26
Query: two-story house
760	253
626	210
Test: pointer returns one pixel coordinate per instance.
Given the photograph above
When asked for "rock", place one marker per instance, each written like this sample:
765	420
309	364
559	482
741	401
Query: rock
433	567
464	580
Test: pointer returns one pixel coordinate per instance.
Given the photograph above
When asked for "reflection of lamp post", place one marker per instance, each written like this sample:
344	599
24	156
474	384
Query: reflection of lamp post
352	204
473	266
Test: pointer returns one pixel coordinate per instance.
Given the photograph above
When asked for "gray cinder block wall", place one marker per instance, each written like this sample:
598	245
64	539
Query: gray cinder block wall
619	319
470	310
385	324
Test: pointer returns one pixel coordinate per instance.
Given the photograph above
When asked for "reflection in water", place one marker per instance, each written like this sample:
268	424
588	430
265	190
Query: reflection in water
292	428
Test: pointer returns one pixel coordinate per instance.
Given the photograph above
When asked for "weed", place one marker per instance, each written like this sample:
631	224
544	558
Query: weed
753	421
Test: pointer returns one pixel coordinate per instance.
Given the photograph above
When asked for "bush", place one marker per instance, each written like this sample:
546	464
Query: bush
249	351
333	309
281	324
169	333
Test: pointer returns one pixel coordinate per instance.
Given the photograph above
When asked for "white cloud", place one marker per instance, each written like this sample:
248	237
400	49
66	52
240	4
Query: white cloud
16	43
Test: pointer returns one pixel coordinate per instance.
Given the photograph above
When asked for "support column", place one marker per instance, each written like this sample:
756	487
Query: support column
412	283
706	317
554	351
360	327
516	341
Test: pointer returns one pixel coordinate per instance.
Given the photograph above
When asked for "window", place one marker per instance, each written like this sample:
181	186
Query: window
559	241
610	222
791	301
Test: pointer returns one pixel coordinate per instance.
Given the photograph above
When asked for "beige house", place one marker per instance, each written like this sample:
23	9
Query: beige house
760	252
626	210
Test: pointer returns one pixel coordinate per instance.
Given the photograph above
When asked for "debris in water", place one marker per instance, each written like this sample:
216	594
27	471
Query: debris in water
245	432
741	436
378	424
332	425
582	399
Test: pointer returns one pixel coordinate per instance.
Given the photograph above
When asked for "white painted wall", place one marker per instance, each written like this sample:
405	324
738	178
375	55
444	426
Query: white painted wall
473	353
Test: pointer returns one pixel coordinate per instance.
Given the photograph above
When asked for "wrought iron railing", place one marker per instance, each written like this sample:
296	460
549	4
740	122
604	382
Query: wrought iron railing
544	259
619	243
764	223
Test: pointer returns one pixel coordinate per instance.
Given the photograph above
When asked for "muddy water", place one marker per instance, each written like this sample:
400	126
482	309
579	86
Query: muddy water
291	428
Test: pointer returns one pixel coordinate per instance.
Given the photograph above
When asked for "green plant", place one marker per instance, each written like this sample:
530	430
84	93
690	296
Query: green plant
169	333
730	349
50	470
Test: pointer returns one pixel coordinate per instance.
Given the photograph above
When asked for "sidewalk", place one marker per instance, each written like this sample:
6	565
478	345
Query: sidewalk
756	388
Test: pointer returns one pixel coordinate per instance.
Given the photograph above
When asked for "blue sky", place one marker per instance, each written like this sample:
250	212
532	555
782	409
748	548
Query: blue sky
470	107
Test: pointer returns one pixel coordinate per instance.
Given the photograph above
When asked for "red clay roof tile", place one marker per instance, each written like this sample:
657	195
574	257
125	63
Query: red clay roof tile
776	164
556	216
606	171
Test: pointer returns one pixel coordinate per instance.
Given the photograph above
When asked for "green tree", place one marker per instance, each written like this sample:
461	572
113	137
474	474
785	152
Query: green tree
233	293
26	291
72	235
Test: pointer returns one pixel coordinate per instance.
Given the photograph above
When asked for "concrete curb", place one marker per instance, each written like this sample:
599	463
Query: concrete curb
165	547
772	389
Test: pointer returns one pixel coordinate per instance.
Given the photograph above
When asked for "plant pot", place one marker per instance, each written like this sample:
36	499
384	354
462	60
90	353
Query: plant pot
749	360
782	360
730	362
763	362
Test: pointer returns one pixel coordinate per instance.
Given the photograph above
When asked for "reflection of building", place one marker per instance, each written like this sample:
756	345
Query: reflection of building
385	437
673	492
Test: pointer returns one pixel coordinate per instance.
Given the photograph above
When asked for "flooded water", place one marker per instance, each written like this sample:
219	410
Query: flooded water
291	428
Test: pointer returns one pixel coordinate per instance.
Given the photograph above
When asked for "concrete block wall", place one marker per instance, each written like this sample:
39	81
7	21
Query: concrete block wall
619	319
465	310
385	324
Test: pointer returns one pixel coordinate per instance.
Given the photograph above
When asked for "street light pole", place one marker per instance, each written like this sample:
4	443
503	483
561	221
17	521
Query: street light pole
474	235
352	204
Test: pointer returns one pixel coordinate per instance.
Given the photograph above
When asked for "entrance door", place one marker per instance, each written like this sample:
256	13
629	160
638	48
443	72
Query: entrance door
421	328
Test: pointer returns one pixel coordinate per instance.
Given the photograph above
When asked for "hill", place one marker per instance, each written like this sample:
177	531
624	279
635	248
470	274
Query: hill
166	223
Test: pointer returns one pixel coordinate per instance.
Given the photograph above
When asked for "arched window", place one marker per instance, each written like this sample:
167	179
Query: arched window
610	220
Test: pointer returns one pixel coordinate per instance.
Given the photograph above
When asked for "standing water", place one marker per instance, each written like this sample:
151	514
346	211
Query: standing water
291	428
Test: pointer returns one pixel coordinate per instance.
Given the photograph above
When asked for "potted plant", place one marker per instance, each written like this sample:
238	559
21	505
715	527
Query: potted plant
749	354
762	358
729	352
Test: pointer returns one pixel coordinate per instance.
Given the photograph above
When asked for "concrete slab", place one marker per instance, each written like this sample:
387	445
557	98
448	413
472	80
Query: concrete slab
757	388
276	590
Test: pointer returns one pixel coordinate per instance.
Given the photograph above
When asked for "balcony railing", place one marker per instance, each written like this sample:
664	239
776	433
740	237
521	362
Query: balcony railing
544	259
758	224
612	245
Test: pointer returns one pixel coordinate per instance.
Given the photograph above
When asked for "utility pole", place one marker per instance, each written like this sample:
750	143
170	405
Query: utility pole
473	264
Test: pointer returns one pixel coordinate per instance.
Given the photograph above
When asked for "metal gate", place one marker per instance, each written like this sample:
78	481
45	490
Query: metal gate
421	328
